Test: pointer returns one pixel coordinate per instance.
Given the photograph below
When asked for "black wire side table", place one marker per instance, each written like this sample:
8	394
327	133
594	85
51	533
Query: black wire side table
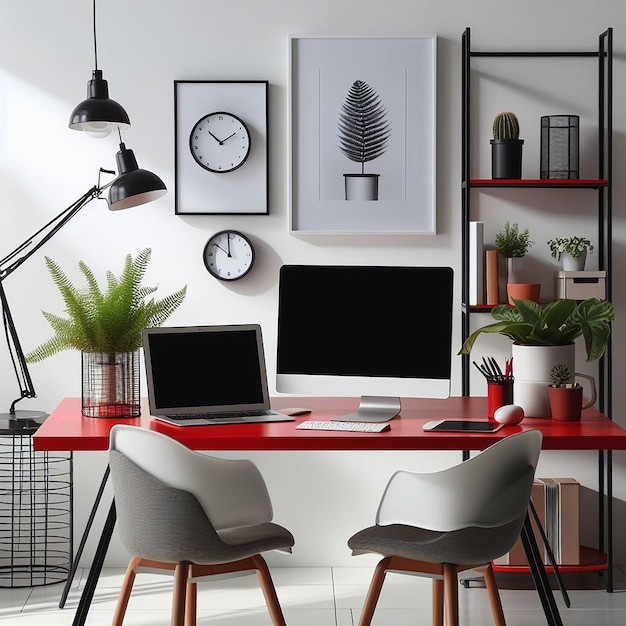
36	513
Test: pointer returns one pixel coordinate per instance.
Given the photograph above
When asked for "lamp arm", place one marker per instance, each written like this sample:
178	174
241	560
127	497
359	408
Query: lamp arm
9	264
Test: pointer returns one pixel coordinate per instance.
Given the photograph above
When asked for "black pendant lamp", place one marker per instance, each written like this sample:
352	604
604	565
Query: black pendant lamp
98	115
133	186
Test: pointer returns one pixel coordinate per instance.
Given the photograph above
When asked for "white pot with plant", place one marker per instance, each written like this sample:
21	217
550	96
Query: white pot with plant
513	244
571	251
544	335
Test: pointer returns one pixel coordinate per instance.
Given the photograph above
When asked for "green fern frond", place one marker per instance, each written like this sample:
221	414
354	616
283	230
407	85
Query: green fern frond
105	321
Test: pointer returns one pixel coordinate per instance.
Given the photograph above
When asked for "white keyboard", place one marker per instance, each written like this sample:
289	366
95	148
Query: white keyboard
357	427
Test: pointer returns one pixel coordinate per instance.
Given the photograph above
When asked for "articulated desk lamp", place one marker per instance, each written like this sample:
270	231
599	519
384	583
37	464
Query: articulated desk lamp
133	186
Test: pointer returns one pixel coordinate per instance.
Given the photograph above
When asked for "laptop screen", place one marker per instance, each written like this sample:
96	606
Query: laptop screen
204	369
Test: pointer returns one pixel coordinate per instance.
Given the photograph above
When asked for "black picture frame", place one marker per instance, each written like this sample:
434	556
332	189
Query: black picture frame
244	191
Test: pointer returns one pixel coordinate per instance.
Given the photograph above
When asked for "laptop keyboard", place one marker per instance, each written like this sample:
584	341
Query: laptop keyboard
229	415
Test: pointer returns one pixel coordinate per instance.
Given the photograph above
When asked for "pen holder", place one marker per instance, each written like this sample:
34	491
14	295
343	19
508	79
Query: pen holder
499	393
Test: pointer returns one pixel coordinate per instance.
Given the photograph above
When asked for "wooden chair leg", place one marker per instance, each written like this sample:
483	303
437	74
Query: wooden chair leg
451	593
373	592
437	602
494	595
269	591
127	587
191	604
178	601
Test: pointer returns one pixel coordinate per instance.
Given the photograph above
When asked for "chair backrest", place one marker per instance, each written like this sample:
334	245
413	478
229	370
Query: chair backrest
231	492
488	490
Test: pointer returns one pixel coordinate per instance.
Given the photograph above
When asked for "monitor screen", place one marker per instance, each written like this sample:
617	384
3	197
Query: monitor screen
364	330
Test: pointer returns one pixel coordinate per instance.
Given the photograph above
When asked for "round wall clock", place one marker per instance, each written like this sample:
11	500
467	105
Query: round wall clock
220	142
228	255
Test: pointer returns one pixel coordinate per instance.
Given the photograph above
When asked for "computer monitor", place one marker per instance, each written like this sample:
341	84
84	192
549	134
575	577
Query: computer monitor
378	332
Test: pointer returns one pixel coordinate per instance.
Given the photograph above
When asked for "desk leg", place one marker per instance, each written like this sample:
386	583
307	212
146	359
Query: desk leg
83	540
539	575
96	568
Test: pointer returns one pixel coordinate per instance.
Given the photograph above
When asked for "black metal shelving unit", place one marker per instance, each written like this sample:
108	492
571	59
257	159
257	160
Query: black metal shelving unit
603	56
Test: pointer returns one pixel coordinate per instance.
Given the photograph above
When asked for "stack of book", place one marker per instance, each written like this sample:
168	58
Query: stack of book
557	502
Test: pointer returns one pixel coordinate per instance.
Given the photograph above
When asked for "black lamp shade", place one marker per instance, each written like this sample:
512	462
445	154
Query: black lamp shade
98	114
133	186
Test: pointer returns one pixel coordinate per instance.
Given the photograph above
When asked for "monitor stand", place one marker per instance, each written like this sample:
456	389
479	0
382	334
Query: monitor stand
372	409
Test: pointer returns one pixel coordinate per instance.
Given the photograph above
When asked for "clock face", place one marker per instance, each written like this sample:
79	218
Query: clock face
220	142
228	255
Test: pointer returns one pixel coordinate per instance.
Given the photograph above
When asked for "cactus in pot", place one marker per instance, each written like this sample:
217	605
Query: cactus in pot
506	147
506	126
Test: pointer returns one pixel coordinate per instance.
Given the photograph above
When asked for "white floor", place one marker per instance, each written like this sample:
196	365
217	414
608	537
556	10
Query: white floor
318	596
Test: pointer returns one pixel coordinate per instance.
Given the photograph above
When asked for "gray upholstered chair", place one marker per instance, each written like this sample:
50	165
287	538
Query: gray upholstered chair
438	524
188	512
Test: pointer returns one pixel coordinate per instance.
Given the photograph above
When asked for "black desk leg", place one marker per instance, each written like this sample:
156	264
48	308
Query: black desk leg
539	575
83	540
96	567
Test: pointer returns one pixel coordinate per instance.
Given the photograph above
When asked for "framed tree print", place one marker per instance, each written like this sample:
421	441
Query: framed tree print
363	122
221	147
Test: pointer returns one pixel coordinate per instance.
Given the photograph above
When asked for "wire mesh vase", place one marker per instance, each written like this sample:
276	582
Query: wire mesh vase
111	384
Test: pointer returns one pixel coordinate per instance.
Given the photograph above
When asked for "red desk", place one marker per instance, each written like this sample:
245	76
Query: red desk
66	429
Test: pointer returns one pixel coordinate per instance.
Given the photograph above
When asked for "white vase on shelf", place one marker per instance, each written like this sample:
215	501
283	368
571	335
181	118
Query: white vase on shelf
570	264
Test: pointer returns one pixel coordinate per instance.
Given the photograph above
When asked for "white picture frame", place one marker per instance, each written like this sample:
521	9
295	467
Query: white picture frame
402	72
244	191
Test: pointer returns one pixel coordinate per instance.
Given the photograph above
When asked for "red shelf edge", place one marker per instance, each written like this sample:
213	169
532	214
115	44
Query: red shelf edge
592	561
539	182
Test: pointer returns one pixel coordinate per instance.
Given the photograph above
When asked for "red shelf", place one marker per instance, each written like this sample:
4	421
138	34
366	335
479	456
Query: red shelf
590	183
591	560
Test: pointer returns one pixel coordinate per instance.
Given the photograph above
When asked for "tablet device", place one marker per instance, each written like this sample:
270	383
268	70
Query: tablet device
466	426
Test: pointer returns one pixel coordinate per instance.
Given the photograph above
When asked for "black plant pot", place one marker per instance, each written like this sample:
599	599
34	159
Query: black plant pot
506	158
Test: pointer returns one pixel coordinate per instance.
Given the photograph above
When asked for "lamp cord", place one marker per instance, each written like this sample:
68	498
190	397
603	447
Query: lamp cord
95	45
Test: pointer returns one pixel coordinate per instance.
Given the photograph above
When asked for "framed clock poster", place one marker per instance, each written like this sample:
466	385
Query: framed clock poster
221	147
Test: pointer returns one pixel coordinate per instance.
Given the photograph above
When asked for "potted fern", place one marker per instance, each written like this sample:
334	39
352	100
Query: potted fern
105	326
506	147
363	135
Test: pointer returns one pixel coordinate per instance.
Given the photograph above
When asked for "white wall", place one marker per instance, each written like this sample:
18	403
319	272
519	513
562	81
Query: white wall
46	58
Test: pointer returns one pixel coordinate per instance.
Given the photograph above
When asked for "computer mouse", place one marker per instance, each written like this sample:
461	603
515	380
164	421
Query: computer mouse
509	414
295	411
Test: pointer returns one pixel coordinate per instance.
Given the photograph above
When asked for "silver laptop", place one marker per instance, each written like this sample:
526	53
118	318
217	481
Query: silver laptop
202	375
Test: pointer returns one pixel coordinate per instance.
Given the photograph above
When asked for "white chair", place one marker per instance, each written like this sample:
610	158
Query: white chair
438	524
188	512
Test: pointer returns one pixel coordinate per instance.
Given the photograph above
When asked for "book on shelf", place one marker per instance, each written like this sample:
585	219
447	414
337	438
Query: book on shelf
492	290
476	263
557	502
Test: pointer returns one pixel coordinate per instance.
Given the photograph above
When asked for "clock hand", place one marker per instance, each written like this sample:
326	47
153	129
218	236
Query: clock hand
222	249
228	237
216	139
229	136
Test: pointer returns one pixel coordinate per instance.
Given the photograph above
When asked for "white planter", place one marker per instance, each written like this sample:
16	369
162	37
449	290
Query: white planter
570	264
531	370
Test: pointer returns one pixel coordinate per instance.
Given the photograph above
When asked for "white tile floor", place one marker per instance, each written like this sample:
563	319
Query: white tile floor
318	596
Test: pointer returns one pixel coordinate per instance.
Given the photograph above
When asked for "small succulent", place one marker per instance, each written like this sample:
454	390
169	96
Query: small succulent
506	126
559	375
572	245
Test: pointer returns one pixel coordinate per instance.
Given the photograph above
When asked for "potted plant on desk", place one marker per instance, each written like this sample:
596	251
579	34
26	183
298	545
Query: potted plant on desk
106	327
566	396
544	335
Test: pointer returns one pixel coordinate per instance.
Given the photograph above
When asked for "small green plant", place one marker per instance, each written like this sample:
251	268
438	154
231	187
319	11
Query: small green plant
559	375
513	242
105	321
505	126
570	245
